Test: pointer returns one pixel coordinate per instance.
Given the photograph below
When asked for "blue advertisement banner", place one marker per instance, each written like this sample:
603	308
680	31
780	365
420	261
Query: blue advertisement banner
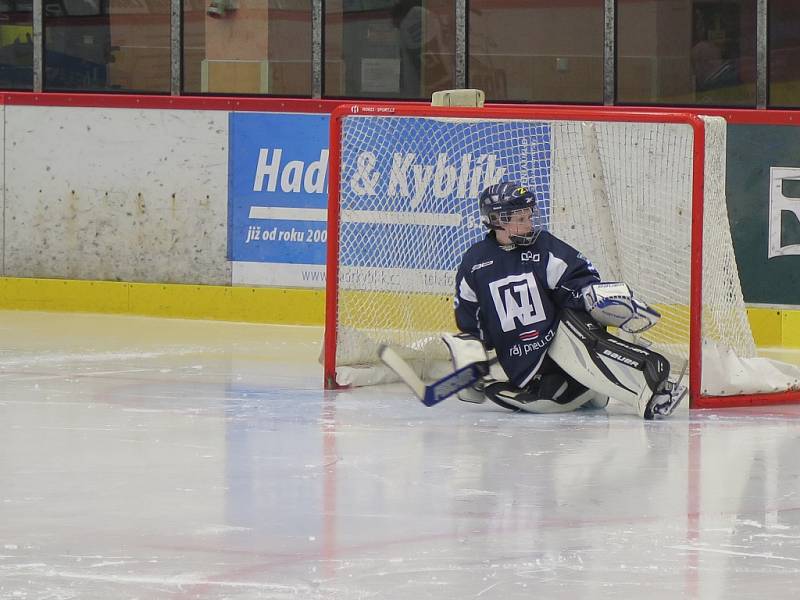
277	188
394	189
423	182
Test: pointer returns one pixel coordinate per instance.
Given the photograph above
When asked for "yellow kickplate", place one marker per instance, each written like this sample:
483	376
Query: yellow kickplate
247	304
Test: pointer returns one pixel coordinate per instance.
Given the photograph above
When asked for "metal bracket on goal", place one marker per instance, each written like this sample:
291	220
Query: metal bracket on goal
462	97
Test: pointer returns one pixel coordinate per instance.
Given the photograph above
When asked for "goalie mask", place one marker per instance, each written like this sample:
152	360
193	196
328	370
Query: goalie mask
512	207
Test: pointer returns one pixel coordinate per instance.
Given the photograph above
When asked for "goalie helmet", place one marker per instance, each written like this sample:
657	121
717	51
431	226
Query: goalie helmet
502	201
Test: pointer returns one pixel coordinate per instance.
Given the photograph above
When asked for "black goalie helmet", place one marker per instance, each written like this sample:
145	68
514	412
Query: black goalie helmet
501	202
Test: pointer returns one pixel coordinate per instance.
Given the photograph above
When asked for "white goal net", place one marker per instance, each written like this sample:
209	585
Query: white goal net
620	191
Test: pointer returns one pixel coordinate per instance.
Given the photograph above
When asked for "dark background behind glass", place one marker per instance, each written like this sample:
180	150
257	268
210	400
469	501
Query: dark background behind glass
681	52
529	51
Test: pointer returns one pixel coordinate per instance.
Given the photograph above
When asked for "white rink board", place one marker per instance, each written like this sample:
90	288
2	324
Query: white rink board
116	194
278	274
356	278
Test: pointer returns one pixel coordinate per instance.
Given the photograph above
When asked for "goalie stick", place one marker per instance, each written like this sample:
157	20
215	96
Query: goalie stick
440	389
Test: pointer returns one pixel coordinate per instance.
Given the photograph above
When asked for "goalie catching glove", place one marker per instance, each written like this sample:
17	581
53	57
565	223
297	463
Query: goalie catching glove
613	304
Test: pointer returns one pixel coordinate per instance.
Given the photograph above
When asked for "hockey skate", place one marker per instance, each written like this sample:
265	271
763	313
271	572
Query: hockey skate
475	394
664	402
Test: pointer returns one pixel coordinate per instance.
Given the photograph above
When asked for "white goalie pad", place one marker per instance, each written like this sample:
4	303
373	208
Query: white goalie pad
613	367
613	304
466	349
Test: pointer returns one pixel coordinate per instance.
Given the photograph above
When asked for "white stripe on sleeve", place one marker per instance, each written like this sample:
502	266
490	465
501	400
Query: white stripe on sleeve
555	269
465	292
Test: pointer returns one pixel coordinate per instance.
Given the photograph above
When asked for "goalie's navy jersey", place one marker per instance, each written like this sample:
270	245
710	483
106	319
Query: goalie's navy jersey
510	299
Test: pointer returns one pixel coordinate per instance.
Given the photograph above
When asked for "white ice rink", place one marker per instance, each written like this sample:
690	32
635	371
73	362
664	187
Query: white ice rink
148	458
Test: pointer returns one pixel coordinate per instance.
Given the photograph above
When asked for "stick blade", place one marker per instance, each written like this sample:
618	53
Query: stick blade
454	383
438	390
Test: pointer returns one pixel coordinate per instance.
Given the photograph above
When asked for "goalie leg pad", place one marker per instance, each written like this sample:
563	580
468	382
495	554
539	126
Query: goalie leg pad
508	396
628	372
549	392
465	350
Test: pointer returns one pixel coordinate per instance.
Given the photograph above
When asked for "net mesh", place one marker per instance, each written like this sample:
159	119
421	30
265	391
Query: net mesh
619	192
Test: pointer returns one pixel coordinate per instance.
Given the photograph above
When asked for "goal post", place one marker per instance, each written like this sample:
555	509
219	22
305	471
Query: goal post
640	193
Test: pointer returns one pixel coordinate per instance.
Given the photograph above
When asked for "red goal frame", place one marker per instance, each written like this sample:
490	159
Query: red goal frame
696	399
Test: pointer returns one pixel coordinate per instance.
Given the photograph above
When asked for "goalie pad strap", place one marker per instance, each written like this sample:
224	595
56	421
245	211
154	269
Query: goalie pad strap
567	397
552	391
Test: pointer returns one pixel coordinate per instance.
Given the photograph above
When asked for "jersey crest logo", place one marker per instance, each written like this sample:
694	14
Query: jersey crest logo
532	256
517	301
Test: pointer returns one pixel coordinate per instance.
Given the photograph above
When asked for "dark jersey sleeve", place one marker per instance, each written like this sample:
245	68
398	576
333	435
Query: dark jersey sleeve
568	272
467	308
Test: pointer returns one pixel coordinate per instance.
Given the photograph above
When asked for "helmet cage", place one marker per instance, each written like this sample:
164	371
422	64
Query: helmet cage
505	219
500	206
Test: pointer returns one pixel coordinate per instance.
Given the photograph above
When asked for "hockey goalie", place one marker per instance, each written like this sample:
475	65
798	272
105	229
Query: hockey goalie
535	311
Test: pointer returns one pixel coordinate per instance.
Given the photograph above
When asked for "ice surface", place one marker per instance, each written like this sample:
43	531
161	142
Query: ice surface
148	458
